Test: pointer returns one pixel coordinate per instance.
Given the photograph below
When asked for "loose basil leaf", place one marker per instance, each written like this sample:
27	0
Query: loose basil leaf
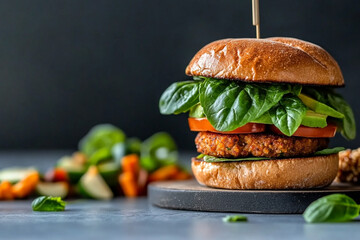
157	151
235	218
48	204
332	208
288	114
179	97
99	137
229	105
329	151
211	159
347	124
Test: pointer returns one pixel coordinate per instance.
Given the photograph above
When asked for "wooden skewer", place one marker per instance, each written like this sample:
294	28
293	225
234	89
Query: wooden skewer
256	17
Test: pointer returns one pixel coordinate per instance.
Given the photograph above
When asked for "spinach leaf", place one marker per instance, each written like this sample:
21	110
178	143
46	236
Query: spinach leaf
179	97
288	114
347	124
157	151
101	138
329	151
48	204
211	159
229	105
235	218
332	208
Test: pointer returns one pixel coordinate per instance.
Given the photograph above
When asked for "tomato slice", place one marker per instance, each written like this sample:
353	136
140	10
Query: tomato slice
311	132
203	125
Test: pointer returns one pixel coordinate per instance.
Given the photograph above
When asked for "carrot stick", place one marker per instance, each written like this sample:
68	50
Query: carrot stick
164	173
6	191
130	163
25	187
128	184
181	176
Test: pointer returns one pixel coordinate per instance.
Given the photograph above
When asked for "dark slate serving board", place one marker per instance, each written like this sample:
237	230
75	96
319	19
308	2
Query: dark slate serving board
189	195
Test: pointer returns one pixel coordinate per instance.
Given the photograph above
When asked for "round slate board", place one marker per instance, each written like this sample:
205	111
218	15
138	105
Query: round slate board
189	195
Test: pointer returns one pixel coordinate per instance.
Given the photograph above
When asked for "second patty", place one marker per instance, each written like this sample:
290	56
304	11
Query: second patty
258	145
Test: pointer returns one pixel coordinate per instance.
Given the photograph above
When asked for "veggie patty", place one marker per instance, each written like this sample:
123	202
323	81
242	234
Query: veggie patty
258	145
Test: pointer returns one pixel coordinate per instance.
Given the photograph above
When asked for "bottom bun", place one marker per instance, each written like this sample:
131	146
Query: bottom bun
291	173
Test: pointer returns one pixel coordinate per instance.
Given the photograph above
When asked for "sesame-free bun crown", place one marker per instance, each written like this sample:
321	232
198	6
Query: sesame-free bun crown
271	60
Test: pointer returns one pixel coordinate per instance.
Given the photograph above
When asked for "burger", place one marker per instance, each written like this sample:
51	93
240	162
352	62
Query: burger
264	110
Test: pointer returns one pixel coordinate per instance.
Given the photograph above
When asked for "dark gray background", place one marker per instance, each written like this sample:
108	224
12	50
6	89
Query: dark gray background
68	65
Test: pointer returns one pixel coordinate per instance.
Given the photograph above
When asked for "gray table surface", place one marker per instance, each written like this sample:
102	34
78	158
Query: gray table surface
137	219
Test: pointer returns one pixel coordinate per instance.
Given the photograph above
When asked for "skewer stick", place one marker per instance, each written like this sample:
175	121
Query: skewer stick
256	17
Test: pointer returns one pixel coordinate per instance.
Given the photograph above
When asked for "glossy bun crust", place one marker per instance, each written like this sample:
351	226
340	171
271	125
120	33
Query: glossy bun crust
292	173
277	60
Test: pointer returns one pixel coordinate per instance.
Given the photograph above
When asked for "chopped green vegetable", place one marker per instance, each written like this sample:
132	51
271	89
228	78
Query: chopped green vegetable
332	208
103	136
130	146
157	151
329	151
48	204
235	218
15	174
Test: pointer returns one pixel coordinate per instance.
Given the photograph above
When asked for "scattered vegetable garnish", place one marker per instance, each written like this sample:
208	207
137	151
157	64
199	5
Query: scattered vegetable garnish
48	204
332	208
235	218
106	165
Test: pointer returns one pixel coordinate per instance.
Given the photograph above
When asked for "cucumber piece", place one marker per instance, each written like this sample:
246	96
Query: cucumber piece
53	189
109	172
92	185
74	170
15	174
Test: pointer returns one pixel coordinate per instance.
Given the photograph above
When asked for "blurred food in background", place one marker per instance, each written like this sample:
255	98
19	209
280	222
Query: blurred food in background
107	164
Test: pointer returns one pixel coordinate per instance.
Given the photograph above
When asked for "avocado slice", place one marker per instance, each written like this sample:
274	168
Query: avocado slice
319	107
311	119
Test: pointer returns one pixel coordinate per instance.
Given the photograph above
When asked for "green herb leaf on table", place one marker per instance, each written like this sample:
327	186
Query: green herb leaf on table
288	114
329	151
235	218
179	97
48	204
332	208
